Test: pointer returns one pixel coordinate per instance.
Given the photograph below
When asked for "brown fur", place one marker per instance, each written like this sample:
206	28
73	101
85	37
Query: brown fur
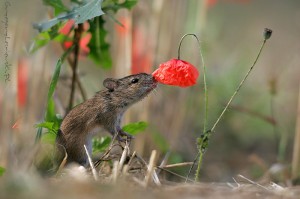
104	110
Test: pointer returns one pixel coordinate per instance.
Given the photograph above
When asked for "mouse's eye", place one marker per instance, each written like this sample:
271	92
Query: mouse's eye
135	80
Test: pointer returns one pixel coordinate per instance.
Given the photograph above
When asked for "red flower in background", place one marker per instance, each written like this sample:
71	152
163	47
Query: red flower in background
176	72
84	41
22	80
141	57
212	3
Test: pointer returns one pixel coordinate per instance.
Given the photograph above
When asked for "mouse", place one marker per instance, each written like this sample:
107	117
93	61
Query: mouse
104	110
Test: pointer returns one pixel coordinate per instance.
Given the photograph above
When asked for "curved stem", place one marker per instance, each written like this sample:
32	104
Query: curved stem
204	75
200	153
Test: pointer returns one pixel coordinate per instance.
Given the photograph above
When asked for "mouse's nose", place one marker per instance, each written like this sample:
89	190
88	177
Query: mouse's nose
154	80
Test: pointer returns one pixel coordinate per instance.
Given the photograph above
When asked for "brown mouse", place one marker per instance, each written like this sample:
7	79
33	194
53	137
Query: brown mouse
104	110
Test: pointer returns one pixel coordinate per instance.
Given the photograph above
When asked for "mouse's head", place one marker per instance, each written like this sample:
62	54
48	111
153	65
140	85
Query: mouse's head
130	89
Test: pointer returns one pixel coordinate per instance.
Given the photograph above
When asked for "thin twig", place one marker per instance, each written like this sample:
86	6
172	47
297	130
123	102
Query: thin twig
182	164
76	41
79	84
97	163
150	168
252	182
164	161
239	87
123	157
63	162
91	163
191	168
154	176
175	174
115	172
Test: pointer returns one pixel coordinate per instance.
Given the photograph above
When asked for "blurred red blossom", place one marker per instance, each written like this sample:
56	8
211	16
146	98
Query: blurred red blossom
84	41
211	3
16	124
22	80
141	57
176	72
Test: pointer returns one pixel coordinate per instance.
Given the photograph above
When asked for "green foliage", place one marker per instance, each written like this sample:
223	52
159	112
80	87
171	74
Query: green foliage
101	144
80	14
51	120
45	37
2	171
99	48
114	5
135	128
48	138
58	6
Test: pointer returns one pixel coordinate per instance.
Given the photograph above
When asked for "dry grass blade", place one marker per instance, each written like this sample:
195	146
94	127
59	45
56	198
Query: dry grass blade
175	174
91	163
177	165
252	182
123	157
164	161
150	168
115	172
63	163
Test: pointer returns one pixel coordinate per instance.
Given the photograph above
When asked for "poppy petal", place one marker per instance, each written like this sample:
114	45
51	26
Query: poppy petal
176	72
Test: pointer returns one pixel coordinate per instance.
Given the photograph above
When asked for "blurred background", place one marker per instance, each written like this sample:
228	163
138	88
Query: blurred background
256	136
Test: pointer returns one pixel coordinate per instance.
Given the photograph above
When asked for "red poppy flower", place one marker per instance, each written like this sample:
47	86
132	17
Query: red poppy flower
176	72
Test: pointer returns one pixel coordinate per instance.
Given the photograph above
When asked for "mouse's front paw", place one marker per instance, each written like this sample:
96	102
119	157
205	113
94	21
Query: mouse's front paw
122	134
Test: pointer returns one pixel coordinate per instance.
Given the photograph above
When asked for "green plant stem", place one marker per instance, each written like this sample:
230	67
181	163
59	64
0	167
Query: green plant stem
200	158
239	87
79	84
204	140
204	76
76	42
205	104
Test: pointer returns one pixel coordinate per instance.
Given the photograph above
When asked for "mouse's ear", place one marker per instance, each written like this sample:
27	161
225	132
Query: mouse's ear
110	84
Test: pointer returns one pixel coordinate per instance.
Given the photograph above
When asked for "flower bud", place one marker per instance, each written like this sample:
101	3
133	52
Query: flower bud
267	33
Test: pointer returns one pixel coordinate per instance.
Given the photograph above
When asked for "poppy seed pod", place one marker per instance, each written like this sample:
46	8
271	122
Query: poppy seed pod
267	33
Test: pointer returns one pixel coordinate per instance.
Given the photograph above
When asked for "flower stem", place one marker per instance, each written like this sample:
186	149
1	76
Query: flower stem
205	104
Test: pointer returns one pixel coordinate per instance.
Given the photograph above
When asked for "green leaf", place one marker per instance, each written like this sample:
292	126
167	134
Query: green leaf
99	48
56	75
46	125
135	128
57	122
115	6
50	110
57	5
38	134
101	144
80	14
44	38
48	138
2	171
